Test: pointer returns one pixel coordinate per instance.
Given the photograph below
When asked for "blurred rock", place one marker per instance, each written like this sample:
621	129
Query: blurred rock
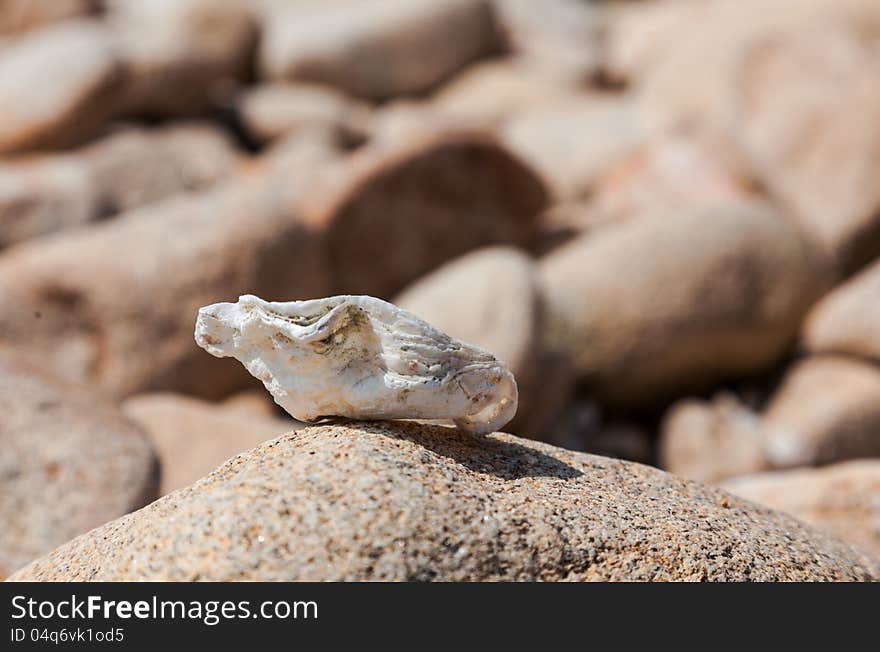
562	37
137	166
490	298
181	57
402	501
403	122
809	107
573	143
115	303
274	110
388	215
252	401
847	320
498	89
643	39
43	194
69	462
826	410
634	36
300	155
662	177
192	436
57	85
712	440
788	99
24	15
376	50
649	309
843	500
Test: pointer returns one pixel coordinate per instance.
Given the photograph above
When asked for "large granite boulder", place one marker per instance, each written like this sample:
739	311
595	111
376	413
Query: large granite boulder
403	501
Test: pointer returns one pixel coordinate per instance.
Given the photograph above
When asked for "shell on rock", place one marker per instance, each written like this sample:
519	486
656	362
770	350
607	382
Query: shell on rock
359	357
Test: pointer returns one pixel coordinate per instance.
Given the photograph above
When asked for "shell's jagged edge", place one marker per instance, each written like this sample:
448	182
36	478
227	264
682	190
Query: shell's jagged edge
359	357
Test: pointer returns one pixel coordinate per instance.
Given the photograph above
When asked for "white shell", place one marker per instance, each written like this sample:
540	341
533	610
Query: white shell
359	357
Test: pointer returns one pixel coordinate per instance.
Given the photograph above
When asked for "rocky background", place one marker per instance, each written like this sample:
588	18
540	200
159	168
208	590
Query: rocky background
664	214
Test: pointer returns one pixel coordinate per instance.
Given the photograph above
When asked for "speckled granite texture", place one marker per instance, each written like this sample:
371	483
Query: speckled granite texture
403	501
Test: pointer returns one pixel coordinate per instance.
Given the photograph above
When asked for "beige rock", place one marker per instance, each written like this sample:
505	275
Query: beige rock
300	154
43	194
847	320
709	441
808	105
787	99
827	409
562	37
564	221
137	166
376	50
271	111
192	436
664	176
22	15
181	56
498	89
69	462
648	309
390	214
402	122
79	73
843	499
573	143
637	35
381	501
490	298
115	303
252	401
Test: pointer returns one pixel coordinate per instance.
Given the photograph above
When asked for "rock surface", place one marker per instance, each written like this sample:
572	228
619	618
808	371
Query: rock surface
664	176
391	214
192	437
710	441
649	308
114	304
405	501
69	462
128	168
843	499
827	409
847	319
181	57
571	144
499	89
18	16
136	166
78	72
252	401
559	37
274	110
807	106
43	194
376	50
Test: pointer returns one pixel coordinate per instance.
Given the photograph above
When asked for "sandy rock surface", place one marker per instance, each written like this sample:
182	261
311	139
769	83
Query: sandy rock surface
405	501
